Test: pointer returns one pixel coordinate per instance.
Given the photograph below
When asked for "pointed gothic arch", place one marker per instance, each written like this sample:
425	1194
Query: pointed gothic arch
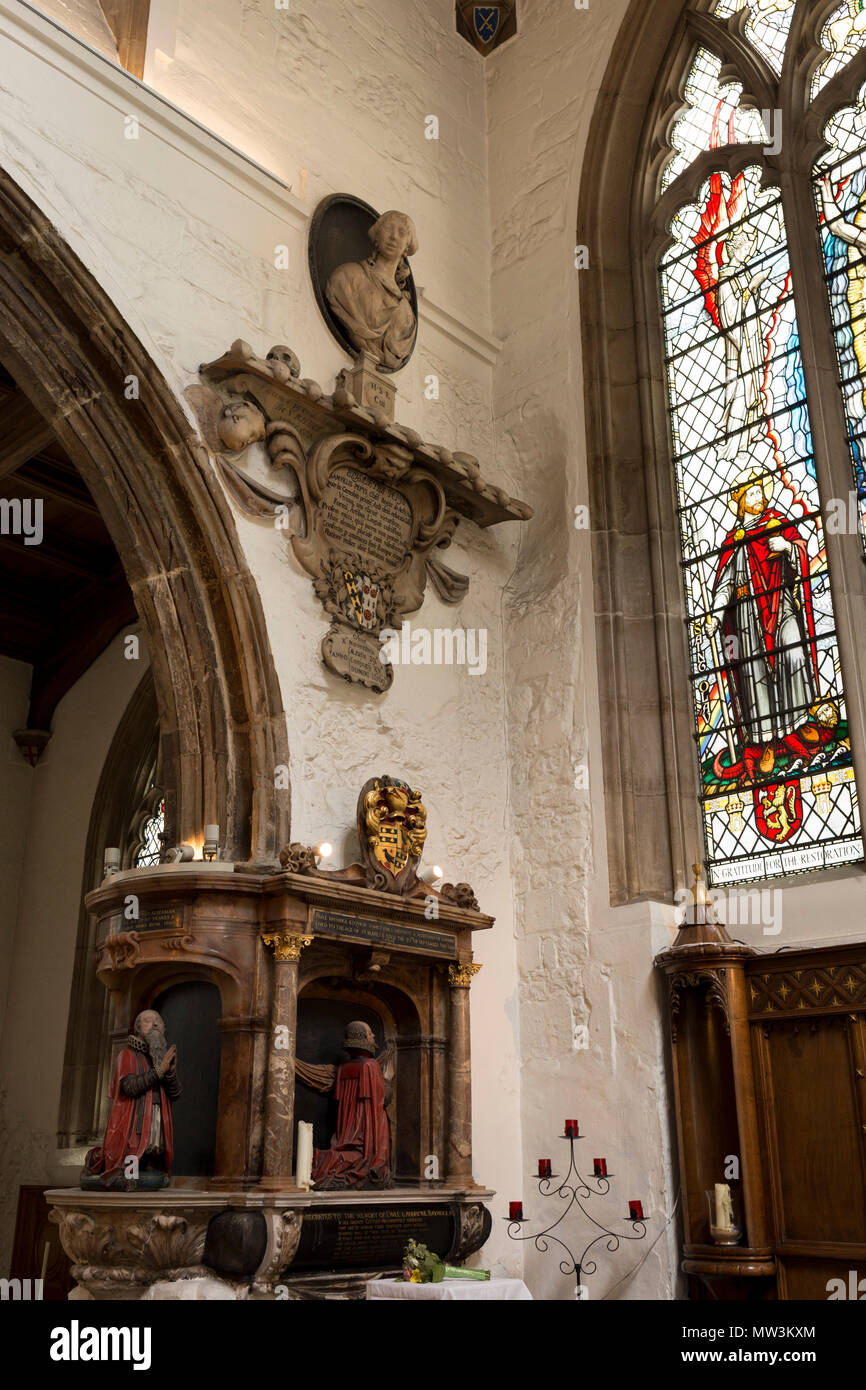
653	822
221	718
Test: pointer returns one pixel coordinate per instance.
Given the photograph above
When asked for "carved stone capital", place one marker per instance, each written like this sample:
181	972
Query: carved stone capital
286	945
460	975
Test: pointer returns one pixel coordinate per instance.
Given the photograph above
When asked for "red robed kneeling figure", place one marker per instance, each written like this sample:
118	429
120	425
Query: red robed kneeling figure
360	1150
143	1086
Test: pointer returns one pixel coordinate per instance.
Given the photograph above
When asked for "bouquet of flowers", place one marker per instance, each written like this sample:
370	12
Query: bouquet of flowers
421	1266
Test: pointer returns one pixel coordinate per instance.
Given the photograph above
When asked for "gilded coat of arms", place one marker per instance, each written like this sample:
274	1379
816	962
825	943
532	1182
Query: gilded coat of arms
392	827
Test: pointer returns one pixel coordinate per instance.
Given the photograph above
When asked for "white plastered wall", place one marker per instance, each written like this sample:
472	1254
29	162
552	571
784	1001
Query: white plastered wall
592	1045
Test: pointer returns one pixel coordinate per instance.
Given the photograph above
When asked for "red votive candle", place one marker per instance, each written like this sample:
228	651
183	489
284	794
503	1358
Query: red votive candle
600	1167
635	1211
544	1167
571	1129
515	1211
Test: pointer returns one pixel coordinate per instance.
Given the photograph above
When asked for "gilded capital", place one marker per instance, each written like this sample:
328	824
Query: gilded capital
460	975
287	945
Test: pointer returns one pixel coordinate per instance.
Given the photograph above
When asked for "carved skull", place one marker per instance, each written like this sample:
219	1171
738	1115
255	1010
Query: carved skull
282	354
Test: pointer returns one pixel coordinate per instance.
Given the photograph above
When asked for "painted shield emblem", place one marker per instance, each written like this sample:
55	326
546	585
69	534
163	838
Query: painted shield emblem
392	850
487	19
363	599
778	810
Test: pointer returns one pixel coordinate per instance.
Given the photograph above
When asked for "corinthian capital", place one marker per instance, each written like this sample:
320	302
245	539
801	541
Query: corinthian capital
287	945
460	975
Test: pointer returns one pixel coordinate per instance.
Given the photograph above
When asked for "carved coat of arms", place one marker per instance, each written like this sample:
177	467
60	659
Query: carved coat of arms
392	828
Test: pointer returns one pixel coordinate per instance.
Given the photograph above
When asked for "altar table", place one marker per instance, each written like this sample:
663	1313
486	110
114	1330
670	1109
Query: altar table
451	1290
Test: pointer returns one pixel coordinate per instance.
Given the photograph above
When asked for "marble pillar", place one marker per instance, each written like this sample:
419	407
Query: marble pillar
280	1087
459	1157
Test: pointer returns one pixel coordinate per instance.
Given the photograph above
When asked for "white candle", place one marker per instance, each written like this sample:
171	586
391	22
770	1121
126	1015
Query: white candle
724	1207
304	1158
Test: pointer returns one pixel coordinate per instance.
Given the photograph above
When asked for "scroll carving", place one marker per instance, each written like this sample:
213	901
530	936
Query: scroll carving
716	981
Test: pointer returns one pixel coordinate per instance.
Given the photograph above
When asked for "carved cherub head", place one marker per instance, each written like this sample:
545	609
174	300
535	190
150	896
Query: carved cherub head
240	423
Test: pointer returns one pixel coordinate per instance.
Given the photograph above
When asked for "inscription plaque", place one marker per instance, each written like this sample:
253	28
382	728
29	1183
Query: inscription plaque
368	517
353	656
161	917
394	934
358	1237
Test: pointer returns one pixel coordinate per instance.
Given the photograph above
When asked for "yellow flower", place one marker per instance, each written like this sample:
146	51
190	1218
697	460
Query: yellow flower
415	1277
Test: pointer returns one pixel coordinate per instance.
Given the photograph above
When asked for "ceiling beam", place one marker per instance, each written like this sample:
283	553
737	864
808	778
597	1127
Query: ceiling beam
23	433
41	477
127	20
74	557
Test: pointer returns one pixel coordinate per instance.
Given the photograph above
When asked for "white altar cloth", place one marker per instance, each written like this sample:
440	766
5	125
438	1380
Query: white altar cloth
451	1290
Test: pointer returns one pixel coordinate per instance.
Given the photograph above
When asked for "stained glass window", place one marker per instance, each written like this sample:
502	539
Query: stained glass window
712	115
840	191
767	25
150	844
777	786
843	35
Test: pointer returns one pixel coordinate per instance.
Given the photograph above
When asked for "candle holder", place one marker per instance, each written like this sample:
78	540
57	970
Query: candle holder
574	1190
730	1229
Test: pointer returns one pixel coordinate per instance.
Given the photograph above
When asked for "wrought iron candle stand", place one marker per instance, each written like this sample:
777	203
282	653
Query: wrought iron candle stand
575	1190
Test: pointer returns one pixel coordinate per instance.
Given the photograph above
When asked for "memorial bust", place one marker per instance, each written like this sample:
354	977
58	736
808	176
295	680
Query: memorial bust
371	299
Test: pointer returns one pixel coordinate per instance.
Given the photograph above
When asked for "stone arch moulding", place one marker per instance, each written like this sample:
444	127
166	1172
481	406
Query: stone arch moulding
221	718
641	661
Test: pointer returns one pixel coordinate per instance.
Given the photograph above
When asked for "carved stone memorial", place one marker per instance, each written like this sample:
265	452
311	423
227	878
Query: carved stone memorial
344	1004
369	506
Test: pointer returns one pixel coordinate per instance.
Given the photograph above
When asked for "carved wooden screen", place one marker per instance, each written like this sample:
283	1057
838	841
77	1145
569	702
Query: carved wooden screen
777	786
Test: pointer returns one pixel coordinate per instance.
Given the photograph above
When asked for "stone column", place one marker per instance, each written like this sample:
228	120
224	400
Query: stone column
459	1164
280	1087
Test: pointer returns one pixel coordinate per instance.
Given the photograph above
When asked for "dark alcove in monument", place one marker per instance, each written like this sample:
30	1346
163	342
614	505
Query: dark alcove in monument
321	1028
191	1013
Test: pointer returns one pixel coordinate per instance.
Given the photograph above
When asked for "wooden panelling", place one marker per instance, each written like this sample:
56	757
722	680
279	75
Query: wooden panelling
785	1090
807	1089
37	1246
